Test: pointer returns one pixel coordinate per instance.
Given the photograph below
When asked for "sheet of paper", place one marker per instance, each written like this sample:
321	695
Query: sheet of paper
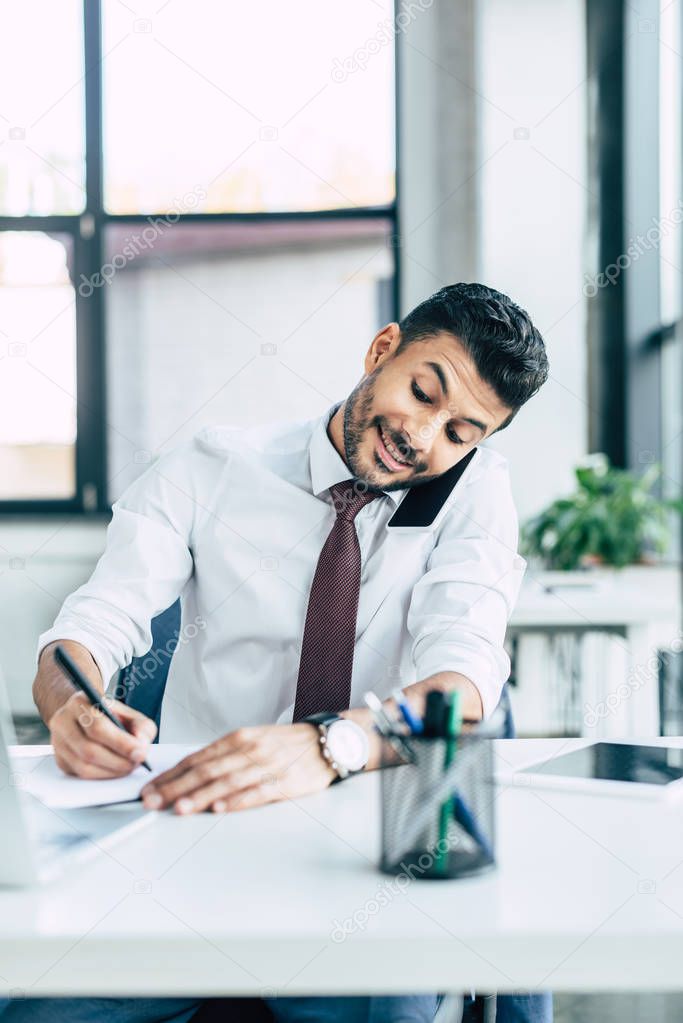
42	778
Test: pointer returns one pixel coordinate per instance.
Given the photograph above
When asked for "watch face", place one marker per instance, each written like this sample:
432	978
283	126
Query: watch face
348	744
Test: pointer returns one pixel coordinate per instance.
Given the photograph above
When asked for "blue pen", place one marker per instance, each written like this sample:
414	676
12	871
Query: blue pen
463	815
414	723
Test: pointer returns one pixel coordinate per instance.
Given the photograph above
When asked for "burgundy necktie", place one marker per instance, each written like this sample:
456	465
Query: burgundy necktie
330	632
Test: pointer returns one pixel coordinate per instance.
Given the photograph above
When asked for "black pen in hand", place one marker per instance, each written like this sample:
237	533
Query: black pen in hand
81	682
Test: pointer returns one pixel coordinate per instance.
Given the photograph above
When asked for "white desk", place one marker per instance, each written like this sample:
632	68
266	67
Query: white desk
588	896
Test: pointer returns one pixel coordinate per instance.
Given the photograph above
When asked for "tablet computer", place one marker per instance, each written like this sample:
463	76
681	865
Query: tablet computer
612	768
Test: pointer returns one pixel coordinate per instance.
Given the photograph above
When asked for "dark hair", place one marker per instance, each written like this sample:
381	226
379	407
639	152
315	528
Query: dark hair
506	347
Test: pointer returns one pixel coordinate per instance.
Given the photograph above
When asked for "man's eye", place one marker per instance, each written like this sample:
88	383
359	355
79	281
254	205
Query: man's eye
420	395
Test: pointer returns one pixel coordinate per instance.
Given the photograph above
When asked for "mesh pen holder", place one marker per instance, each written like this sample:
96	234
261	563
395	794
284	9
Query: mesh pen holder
438	811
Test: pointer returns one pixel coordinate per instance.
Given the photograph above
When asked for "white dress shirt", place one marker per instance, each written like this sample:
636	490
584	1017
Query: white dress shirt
233	522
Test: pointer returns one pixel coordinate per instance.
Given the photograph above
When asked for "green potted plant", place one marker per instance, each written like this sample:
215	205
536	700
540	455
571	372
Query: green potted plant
611	519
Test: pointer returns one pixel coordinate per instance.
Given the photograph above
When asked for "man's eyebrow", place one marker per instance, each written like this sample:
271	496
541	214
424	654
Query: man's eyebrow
436	366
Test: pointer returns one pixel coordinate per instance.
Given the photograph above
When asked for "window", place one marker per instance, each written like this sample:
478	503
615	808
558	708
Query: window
38	377
42	158
188	101
194	228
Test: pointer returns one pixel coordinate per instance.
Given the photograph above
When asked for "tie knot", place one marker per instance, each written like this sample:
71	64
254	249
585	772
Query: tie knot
349	497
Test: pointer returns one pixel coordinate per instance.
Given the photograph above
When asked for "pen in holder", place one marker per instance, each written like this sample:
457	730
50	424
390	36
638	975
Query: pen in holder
438	817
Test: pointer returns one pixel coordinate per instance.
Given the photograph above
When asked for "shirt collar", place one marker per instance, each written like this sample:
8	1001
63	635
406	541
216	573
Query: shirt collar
327	465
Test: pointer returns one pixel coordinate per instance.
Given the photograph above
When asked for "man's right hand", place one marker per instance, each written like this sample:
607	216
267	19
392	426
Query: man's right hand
88	745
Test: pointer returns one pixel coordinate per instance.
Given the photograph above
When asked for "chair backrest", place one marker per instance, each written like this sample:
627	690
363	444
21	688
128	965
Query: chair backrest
142	683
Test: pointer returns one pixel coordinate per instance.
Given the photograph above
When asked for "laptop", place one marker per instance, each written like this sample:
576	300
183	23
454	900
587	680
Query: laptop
39	843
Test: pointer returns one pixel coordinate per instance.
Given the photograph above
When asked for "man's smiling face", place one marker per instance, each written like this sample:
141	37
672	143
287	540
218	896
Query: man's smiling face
414	414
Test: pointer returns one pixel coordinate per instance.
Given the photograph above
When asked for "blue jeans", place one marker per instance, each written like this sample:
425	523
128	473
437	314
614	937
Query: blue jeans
510	1009
518	1008
394	1009
525	1008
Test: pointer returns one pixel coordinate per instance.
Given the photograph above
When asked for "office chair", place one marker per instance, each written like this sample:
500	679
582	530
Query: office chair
141	685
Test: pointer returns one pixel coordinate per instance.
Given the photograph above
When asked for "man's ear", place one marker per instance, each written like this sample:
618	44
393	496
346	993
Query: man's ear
384	343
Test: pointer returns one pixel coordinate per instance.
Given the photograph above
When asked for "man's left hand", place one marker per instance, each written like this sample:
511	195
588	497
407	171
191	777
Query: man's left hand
246	768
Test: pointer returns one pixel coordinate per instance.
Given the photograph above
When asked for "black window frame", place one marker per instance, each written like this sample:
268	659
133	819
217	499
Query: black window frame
87	230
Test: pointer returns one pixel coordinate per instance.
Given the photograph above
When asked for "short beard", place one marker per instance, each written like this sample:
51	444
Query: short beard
358	420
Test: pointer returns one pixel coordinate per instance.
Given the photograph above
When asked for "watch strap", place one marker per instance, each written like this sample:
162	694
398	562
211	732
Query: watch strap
325	718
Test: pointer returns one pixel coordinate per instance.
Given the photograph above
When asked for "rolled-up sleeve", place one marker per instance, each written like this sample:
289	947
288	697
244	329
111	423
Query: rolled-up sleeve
146	562
460	608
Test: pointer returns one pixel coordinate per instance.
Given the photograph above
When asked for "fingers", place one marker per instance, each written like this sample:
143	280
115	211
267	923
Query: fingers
248	798
240	745
140	726
268	762
193	774
91	761
78	755
88	745
99	729
226	790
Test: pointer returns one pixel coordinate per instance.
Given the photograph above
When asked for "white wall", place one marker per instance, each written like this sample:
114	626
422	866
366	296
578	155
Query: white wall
532	227
438	151
494	157
41	561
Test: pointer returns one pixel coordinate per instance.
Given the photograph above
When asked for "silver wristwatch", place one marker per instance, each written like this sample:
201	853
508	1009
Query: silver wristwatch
343	743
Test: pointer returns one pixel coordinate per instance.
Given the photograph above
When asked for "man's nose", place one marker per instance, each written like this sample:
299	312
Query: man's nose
423	436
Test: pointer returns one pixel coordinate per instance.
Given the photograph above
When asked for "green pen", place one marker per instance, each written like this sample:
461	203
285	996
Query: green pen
453	724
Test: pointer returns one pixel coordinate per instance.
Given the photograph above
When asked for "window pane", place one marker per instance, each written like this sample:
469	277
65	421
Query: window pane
236	323
37	366
42	161
257	108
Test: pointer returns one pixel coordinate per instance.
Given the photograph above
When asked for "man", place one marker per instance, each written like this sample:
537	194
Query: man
283	545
